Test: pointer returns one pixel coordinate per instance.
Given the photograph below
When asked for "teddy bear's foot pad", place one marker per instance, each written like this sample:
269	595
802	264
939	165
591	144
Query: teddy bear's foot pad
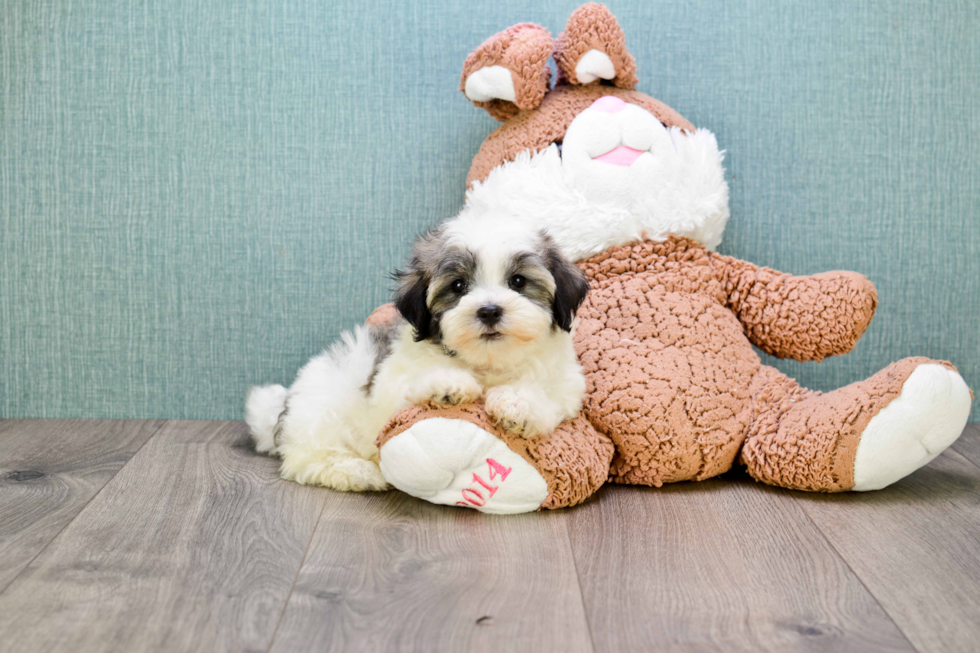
455	462
913	428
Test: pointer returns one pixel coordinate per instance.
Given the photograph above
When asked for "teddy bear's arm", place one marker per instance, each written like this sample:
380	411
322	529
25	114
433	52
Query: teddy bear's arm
807	318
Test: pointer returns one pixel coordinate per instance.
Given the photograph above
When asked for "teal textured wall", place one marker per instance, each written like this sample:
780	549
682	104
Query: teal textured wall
196	196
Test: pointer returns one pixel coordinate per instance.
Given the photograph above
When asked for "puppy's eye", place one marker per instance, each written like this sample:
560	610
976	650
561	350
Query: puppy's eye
458	286
517	282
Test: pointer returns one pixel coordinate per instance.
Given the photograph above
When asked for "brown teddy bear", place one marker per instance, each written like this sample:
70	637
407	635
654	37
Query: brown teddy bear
634	193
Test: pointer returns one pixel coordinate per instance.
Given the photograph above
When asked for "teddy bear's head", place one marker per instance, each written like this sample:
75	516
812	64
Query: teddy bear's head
593	161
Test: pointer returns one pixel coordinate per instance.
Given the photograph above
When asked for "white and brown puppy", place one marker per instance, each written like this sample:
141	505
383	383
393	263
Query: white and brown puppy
487	306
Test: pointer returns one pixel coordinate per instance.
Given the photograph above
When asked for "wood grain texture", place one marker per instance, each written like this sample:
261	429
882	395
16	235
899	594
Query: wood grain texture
387	572
197	545
49	471
916	546
721	565
968	445
193	546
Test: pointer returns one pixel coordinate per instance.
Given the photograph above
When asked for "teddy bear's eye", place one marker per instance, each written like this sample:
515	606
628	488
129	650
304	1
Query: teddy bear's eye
517	282
458	286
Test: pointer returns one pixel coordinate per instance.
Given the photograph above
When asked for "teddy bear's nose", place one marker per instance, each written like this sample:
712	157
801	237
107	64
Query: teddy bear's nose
609	104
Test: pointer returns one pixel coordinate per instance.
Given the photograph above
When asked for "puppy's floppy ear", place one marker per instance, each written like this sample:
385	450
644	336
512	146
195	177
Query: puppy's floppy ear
413	286
570	284
410	301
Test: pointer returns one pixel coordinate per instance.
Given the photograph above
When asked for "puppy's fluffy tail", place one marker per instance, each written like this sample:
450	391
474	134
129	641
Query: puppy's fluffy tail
324	392
262	409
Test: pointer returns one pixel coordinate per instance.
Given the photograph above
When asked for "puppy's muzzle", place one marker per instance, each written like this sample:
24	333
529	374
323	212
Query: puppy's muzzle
489	315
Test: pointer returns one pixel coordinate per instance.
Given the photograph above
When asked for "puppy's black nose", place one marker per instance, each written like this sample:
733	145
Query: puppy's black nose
489	315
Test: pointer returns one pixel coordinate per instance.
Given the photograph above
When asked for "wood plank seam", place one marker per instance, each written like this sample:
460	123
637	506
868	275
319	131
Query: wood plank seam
160	424
968	460
299	569
973	427
867	589
581	593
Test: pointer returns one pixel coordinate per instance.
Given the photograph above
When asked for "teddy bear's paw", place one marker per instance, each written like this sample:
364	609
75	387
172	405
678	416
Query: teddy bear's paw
455	462
512	412
913	428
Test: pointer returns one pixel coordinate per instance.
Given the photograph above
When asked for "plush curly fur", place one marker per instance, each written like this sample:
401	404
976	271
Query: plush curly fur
638	197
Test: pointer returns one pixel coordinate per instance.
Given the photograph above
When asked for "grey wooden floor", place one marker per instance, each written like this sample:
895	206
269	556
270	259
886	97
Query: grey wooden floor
175	536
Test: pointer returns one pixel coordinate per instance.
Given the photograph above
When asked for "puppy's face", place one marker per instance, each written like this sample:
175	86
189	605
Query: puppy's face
482	289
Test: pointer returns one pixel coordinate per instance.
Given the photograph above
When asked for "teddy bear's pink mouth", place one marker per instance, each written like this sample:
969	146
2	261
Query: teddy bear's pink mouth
619	156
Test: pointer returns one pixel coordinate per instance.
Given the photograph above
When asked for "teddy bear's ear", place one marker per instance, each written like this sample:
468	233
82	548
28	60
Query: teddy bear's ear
593	48
509	72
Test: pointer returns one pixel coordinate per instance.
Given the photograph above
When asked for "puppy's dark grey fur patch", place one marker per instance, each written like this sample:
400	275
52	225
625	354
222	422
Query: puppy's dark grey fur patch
277	429
382	335
458	265
434	266
531	266
571	285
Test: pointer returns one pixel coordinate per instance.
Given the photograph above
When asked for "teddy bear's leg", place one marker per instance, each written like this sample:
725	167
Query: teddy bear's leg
864	436
455	455
593	48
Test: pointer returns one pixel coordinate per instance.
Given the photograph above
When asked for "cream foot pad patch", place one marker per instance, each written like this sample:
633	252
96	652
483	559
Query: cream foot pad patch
913	429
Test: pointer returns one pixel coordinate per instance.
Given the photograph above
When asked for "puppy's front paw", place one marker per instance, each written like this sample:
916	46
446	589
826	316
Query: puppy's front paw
512	412
465	392
451	388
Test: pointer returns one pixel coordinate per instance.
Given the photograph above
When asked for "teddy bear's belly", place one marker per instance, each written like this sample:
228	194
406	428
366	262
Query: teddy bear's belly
669	377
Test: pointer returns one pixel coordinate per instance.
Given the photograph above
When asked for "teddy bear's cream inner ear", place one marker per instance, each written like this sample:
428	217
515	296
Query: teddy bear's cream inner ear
594	65
490	83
